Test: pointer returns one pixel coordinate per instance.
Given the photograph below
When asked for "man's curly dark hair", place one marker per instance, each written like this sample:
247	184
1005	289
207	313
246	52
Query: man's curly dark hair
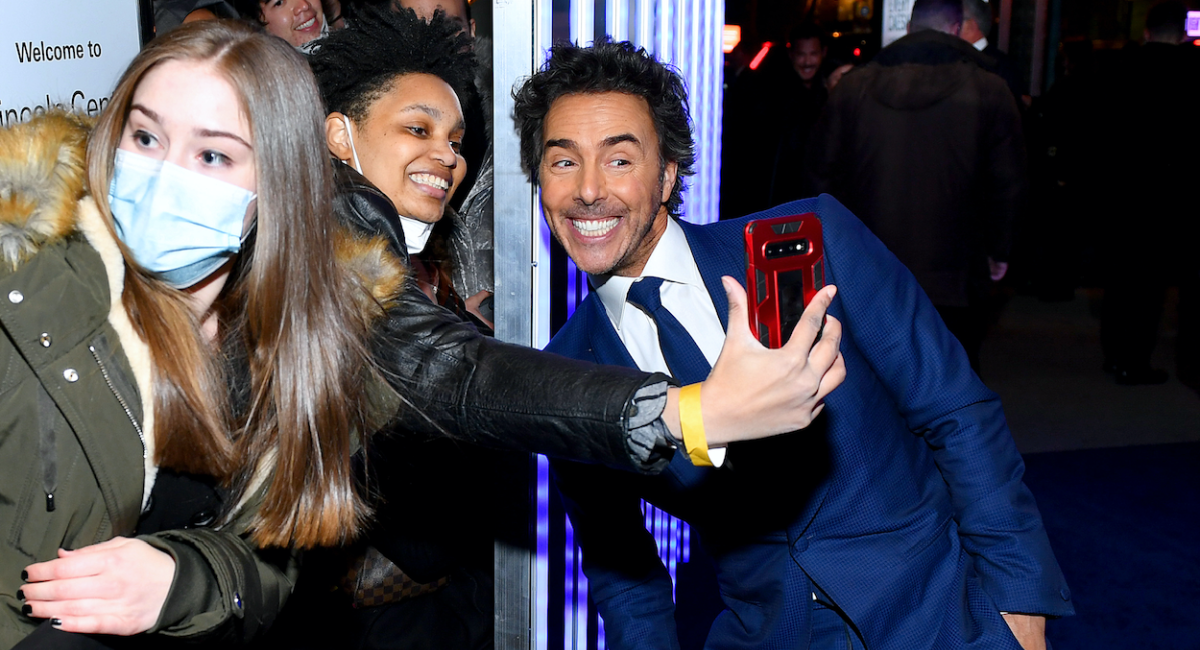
608	67
357	65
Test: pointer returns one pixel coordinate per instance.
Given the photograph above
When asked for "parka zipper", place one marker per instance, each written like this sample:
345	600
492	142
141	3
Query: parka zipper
124	405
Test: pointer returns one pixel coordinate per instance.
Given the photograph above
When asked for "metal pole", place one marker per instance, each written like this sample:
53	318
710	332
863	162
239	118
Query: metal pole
515	263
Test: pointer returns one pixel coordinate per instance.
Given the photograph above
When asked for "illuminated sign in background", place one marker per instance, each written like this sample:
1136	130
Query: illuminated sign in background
689	35
895	19
48	61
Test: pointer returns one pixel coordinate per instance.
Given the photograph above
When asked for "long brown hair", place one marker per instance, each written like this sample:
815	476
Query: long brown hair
288	303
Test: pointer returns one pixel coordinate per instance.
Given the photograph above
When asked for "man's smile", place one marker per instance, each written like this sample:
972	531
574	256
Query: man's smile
595	227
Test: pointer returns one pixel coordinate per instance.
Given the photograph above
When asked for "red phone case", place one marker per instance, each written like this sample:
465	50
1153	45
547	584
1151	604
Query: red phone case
773	253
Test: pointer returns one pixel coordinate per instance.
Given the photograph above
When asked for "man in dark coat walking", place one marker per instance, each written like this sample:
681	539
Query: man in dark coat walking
924	144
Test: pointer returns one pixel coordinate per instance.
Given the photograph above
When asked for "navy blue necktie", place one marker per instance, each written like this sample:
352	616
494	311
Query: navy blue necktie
683	356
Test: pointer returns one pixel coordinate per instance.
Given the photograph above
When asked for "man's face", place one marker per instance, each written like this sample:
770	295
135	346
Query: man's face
456	10
603	186
295	21
806	55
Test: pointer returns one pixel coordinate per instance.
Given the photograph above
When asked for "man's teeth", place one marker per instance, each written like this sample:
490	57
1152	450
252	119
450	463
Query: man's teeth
306	24
594	227
431	180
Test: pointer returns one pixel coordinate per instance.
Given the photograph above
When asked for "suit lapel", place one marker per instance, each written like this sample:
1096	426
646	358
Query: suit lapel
602	337
714	258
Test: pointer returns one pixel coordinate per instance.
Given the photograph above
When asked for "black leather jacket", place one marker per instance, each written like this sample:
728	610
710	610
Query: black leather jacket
479	390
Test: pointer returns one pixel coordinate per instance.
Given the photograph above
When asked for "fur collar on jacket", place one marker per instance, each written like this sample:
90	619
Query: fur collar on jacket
43	199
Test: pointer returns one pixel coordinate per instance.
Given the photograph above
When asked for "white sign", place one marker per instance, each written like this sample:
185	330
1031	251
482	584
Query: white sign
1193	24
895	19
63	54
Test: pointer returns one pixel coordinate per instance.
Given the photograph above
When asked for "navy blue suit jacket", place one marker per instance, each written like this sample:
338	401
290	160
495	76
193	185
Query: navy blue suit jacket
902	504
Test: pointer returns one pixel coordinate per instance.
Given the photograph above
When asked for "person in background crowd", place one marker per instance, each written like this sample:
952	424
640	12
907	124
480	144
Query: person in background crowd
772	112
924	144
976	25
897	520
299	22
1153	213
253	349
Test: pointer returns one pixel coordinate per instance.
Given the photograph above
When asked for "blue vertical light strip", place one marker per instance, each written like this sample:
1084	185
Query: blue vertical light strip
698	92
712	61
570	608
644	34
581	603
672	549
663	47
617	19
687	543
701	56
541	588
583	22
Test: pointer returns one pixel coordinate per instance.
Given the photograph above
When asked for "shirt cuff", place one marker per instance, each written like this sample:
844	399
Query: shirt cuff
650	442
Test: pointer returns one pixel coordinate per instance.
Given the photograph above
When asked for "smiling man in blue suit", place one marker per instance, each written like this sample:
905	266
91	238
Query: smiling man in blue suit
898	520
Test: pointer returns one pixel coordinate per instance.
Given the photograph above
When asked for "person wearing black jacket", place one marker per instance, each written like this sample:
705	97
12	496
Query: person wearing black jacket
924	144
976	25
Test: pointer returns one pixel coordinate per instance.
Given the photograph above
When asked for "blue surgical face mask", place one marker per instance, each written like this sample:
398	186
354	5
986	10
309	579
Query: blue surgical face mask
177	223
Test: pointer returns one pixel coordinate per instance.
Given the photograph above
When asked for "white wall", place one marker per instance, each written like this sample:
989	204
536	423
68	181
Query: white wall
63	54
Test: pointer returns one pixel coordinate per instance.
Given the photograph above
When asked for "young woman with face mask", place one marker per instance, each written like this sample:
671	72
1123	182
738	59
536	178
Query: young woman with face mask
176	296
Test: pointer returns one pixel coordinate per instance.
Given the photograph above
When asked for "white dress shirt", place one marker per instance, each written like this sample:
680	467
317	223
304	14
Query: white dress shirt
683	294
980	44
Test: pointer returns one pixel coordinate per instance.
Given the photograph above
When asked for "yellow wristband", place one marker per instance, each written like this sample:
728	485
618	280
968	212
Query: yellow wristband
692	422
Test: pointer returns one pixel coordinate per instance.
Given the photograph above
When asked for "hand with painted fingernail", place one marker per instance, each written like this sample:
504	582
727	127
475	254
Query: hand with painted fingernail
115	587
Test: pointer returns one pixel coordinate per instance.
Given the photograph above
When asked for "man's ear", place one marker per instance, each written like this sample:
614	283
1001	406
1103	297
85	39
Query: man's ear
669	174
337	138
472	30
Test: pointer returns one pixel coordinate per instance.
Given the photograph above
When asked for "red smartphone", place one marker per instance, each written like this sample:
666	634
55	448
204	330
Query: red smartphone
784	270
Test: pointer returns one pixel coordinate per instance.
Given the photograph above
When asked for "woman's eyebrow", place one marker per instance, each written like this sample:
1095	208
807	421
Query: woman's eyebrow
434	112
145	111
210	133
431	111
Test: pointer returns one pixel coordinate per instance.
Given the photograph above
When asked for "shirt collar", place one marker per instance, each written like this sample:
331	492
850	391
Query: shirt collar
981	44
670	260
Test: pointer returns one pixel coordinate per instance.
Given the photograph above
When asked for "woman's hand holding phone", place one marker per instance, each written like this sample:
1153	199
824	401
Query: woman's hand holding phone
755	392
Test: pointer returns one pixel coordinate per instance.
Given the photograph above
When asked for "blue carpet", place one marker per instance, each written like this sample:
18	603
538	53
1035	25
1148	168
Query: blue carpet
1125	525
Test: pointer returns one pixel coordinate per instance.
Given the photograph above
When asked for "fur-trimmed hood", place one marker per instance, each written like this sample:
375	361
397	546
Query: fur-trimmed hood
42	176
